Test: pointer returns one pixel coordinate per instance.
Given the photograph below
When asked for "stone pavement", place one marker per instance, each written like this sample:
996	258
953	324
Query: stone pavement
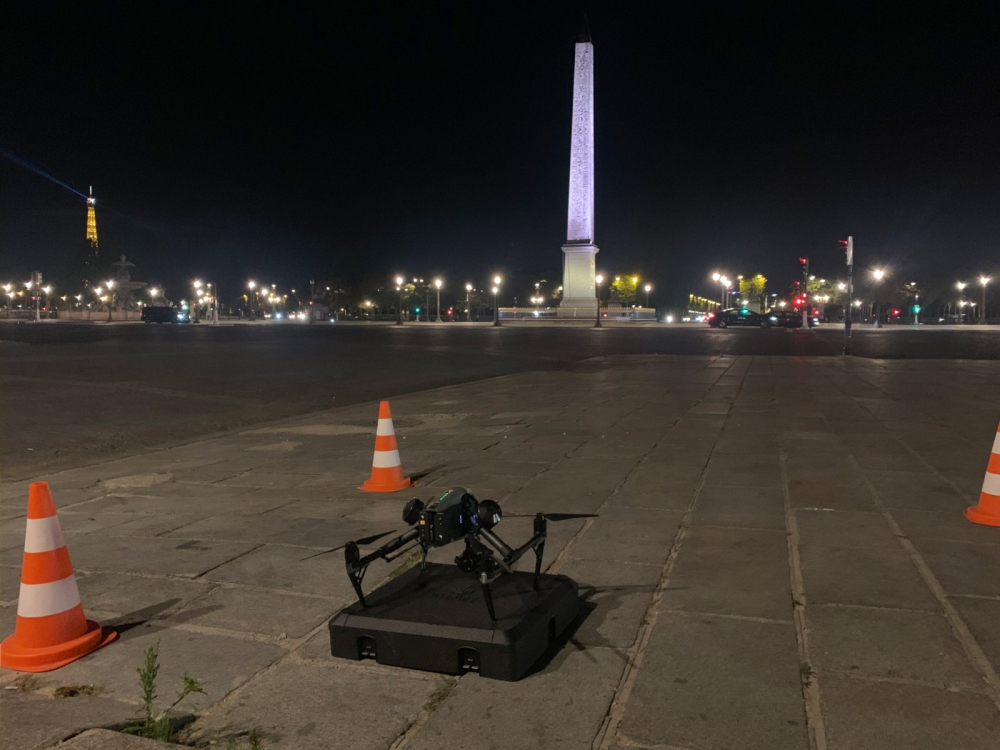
780	561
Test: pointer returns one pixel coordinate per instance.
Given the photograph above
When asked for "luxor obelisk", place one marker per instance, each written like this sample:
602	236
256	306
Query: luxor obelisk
579	251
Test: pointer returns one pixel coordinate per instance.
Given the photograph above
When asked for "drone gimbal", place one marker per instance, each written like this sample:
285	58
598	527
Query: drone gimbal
454	515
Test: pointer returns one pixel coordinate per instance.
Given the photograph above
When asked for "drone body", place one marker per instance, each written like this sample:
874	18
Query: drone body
455	515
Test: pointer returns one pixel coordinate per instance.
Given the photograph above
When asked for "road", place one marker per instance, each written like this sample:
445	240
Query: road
74	394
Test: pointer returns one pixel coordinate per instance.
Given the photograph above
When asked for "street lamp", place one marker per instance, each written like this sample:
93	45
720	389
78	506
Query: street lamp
399	309
496	301
983	280
252	286
597	321
468	308
879	274
648	289
961	302
437	285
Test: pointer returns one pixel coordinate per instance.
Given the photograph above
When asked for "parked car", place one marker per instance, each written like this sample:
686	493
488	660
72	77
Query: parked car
737	317
790	319
158	314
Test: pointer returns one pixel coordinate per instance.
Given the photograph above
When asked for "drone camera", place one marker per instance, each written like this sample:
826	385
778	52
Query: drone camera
411	511
489	514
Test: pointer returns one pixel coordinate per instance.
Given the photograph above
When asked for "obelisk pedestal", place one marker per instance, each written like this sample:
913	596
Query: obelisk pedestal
579	263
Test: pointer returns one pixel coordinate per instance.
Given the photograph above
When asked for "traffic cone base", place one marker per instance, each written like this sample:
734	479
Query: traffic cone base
51	629
22	658
987	512
387	468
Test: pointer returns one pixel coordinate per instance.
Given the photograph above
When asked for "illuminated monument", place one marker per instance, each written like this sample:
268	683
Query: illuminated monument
87	259
92	220
579	251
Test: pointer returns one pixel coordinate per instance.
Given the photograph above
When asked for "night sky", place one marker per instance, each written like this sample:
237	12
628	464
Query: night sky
278	142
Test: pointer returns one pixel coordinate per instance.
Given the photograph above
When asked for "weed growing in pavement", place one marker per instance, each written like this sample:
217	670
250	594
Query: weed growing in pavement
806	672
253	737
156	725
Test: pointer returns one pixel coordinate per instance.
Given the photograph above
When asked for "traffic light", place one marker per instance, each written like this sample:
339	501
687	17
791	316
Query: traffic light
916	308
417	310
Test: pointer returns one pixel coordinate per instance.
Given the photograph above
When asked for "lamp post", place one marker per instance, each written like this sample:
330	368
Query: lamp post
649	288
983	280
252	286
437	285
597	320
879	274
110	285
496	301
468	307
399	309
961	302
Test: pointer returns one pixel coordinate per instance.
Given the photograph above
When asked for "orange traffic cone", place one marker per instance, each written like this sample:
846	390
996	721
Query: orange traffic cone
51	628
988	510
387	469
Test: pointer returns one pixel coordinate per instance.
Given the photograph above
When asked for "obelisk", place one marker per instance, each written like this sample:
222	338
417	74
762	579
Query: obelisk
578	253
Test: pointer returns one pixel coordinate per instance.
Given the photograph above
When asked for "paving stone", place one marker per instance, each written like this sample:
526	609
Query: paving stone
32	722
947	525
219	662
755	507
740	469
982	616
871	577
715	683
306	706
272	529
295	569
262	612
832	496
916	490
151	555
862	715
107	739
549	708
731	571
137	597
960	567
888	644
668	495
629	535
844	529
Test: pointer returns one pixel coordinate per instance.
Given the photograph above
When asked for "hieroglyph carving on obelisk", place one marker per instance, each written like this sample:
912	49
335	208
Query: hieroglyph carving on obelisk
580	220
579	250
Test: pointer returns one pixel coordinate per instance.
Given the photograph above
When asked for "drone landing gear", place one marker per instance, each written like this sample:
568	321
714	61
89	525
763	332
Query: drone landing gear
479	558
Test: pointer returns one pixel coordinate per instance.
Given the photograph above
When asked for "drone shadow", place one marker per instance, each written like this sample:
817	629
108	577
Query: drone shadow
609	599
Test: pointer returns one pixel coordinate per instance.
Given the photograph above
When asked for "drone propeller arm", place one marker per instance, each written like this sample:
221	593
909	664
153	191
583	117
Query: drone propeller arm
389	547
511	556
357	565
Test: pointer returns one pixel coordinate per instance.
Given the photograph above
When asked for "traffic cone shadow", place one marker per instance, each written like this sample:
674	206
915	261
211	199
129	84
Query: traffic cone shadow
987	512
387	468
51	629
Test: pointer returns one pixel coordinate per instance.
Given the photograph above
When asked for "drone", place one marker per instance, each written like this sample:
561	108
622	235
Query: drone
456	515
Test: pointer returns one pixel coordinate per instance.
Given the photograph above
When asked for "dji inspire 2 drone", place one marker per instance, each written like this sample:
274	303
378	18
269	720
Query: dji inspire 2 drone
455	515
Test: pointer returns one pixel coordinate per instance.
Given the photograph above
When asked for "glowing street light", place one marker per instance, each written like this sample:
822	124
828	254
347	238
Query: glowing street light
399	309
983	281
496	301
648	288
879	274
437	285
599	279
468	308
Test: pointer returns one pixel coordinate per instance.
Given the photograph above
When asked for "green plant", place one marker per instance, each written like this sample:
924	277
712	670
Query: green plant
156	725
